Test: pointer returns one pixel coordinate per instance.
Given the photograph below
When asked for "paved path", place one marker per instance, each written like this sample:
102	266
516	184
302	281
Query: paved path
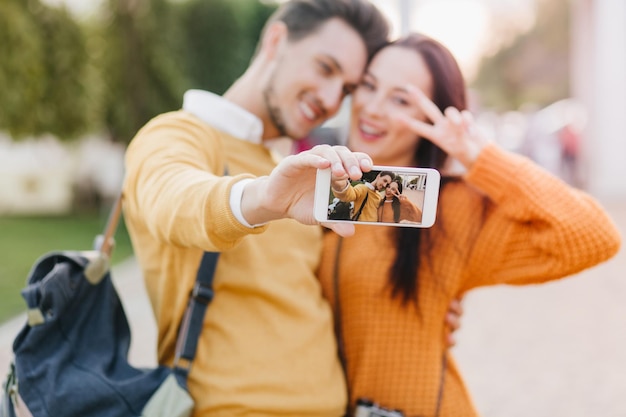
553	350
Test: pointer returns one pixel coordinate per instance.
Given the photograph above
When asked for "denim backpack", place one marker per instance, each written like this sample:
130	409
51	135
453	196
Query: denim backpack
71	358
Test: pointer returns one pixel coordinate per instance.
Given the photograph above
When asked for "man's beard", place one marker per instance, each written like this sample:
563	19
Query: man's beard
273	111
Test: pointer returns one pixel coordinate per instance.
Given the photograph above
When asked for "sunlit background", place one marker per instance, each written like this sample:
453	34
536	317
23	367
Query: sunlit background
79	77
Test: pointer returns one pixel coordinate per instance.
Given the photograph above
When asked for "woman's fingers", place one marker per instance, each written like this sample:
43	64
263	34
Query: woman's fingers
429	108
418	127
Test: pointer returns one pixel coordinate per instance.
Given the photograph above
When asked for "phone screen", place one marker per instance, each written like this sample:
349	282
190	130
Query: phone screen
384	196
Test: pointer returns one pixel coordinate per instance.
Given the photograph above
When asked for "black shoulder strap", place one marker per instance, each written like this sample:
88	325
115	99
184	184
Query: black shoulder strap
358	213
191	325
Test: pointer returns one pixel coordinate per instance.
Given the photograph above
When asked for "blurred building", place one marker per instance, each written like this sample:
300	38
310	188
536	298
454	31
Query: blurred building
35	177
44	176
599	81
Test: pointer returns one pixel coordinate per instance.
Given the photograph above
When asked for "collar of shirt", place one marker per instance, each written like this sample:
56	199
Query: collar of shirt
370	186
224	115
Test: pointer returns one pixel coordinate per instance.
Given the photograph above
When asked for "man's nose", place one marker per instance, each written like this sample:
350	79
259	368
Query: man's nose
331	97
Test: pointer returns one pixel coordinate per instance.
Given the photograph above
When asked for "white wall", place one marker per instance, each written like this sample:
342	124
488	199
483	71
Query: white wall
35	177
38	176
599	80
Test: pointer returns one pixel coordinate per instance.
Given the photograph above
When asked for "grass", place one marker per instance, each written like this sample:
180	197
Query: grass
24	239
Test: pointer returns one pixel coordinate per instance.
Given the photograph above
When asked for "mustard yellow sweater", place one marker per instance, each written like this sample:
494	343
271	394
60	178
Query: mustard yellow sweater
531	228
357	194
267	347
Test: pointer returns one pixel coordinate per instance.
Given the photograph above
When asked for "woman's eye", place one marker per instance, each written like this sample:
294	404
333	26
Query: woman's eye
400	101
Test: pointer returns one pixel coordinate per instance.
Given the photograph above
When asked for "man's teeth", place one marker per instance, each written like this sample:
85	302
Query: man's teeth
308	111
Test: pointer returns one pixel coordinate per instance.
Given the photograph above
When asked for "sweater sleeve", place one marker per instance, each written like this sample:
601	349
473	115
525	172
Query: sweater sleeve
351	193
175	187
537	228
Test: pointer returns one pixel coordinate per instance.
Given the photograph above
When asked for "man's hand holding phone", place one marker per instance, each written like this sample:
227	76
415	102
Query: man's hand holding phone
288	192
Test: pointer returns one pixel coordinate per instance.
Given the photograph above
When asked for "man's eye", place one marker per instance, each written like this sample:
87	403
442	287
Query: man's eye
326	69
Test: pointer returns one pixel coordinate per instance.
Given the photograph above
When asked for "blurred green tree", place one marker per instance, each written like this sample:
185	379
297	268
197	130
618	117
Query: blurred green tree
220	38
116	71
139	64
534	68
43	59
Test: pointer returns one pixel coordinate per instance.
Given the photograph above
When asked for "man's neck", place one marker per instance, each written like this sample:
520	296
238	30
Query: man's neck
247	94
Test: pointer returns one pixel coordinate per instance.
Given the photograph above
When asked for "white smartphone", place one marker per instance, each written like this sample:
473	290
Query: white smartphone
385	196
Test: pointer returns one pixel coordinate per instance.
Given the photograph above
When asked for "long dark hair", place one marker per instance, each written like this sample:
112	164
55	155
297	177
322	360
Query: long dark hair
448	90
395	203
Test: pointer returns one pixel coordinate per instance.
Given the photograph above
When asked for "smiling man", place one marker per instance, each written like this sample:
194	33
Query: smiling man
267	346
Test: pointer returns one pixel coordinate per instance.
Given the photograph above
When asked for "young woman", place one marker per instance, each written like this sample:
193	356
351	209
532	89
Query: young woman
395	207
505	220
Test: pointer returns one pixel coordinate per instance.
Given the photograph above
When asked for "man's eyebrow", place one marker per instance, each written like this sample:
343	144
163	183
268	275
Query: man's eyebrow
334	62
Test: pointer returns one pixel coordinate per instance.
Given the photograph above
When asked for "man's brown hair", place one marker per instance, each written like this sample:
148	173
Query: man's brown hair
304	17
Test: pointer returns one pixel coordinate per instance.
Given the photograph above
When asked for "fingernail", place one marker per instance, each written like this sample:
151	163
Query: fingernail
354	171
366	164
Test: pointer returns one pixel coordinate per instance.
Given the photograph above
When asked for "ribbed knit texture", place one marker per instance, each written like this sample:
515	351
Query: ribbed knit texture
408	211
267	347
509	222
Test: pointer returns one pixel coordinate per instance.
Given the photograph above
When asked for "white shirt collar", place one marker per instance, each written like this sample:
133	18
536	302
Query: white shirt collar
223	115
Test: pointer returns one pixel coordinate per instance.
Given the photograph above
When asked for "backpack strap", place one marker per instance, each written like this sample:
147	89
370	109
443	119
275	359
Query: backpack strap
358	213
192	323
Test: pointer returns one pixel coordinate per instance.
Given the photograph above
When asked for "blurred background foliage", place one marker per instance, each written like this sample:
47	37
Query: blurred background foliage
534	67
114	72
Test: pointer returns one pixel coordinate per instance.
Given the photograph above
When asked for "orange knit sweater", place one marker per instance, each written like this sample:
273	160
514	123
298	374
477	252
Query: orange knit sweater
408	212
507	221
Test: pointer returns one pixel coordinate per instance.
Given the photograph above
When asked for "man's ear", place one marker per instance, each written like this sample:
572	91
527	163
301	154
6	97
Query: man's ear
273	40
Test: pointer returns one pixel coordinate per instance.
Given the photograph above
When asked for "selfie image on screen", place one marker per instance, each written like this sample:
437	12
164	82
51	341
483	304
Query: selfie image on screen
380	196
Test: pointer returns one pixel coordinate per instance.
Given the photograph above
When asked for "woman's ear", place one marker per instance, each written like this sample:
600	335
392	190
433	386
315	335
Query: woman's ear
273	39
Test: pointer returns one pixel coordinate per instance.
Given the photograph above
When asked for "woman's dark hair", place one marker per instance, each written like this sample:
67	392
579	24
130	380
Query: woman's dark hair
395	204
448	90
304	17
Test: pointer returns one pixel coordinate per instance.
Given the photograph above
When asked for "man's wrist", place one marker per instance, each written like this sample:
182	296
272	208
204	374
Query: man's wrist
252	207
345	187
236	197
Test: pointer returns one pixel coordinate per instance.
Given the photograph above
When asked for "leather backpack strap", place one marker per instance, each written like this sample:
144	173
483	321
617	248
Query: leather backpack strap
358	213
106	241
192	323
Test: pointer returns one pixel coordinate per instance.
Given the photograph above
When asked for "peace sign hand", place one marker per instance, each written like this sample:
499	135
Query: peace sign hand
454	131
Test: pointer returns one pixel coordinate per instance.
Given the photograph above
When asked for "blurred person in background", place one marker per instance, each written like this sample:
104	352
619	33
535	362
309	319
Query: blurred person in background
505	220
